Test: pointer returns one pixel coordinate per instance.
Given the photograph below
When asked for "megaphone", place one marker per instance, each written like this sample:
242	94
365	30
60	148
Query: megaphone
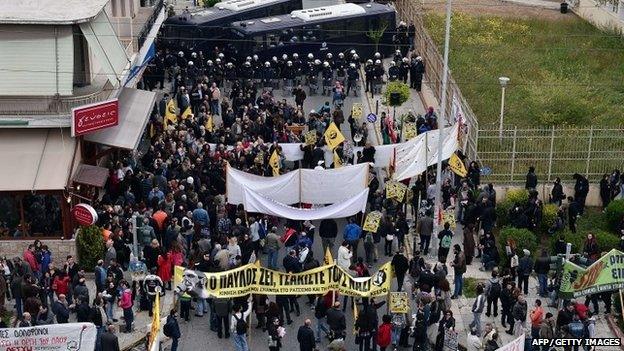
357	137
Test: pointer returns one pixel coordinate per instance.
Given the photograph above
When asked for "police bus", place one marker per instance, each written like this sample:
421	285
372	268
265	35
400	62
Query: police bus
337	28
205	28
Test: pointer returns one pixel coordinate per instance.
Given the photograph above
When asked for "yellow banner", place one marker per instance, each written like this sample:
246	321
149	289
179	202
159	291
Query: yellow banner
274	162
457	166
209	125
155	330
395	190
357	110
253	279
170	113
372	221
410	130
333	136
187	113
310	137
329	259
399	302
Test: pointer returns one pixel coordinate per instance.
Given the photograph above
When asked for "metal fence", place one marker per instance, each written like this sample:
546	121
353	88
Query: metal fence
554	152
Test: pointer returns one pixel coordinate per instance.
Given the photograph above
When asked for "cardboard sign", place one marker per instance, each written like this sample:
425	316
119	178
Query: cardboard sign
372	221
399	302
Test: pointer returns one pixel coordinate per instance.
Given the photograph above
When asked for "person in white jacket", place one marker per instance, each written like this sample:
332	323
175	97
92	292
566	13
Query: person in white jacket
473	343
344	256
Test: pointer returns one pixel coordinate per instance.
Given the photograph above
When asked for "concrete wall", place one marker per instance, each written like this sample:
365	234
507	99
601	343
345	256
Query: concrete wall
600	16
593	198
59	248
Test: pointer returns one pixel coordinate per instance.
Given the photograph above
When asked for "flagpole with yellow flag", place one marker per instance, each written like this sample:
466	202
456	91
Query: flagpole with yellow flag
333	136
274	162
457	166
154	337
170	113
187	113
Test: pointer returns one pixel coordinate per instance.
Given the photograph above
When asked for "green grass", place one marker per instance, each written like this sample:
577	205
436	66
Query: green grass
563	72
470	286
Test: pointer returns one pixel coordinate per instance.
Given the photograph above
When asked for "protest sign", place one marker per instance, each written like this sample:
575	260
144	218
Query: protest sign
399	302
69	336
606	274
372	221
395	190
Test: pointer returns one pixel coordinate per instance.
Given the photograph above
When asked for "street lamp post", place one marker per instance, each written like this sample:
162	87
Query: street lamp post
503	82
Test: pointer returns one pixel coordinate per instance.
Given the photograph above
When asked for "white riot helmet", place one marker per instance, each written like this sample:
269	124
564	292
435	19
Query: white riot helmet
295	55
194	55
181	53
209	62
398	52
378	62
356	57
218	60
369	62
221	55
329	55
230	64
255	57
352	52
325	64
190	63
392	63
274	58
267	64
341	55
248	58
310	56
377	55
317	62
289	63
352	65
405	59
284	57
247	64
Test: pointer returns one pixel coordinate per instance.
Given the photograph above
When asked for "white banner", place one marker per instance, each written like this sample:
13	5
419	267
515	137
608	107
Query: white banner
332	185
308	186
258	203
59	337
516	345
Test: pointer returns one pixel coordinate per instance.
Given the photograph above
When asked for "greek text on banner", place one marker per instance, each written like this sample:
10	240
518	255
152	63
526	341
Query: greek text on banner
253	278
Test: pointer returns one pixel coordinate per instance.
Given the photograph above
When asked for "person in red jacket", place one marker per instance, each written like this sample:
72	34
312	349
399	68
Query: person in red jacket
384	334
29	257
60	285
164	269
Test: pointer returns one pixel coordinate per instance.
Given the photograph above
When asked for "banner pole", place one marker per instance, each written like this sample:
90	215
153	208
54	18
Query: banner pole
621	302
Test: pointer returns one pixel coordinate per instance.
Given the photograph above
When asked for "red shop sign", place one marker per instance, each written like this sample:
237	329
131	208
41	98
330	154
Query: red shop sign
93	117
84	214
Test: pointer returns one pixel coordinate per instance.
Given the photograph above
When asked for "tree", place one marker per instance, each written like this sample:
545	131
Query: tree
90	245
376	34
399	88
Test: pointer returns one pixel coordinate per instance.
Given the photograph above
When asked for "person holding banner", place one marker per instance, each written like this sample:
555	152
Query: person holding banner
239	325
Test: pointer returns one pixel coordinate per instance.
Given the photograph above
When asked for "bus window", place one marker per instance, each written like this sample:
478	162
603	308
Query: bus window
333	30
356	27
276	10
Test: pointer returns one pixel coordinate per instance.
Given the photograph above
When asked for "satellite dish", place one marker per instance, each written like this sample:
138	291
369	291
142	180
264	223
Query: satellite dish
357	137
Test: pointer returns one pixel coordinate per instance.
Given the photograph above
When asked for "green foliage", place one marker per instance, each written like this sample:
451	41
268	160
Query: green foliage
523	238
397	87
606	241
563	72
470	287
576	239
375	34
210	3
5	315
90	244
549	215
518	196
615	213
502	212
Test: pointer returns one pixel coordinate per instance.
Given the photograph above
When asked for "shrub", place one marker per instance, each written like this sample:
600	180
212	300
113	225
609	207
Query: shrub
519	196
549	215
470	287
397	87
211	3
614	213
502	213
523	238
90	244
576	239
607	241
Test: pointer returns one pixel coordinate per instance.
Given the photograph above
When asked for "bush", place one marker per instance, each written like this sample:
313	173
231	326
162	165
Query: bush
614	213
470	287
549	215
502	213
576	239
523	238
211	3
397	87
90	245
519	196
607	241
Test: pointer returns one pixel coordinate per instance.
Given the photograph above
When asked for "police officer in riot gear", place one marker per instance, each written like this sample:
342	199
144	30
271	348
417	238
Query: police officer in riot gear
328	76
369	69
353	75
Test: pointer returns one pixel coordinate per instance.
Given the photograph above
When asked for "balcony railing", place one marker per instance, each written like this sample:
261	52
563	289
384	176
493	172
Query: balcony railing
158	5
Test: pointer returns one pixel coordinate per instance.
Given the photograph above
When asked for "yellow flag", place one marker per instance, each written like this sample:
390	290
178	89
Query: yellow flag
152	130
457	165
337	160
209	124
333	136
329	260
155	330
170	113
187	113
274	162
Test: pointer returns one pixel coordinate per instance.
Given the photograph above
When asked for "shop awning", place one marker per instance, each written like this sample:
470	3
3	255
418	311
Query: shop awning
35	159
135	107
91	175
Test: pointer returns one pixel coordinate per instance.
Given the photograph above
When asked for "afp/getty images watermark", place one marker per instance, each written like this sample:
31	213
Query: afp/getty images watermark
567	342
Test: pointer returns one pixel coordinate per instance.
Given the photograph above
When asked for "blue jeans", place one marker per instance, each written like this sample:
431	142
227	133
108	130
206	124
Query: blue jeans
18	305
128	317
110	309
320	325
543	283
201	307
396	334
174	344
214	107
98	340
476	322
240	342
273	259
459	284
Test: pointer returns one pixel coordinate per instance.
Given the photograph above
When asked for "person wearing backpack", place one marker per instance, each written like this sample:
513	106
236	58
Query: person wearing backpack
240	326
172	329
576	329
493	288
446	239
384	333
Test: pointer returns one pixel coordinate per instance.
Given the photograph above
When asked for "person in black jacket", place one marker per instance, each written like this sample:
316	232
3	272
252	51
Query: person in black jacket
305	337
60	308
400	264
542	267
109	339
531	179
328	230
507	302
525	267
574	211
175	330
366	326
336	321
83	310
581	188
557	194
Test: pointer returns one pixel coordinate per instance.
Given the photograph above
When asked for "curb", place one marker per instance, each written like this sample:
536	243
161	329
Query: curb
615	329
